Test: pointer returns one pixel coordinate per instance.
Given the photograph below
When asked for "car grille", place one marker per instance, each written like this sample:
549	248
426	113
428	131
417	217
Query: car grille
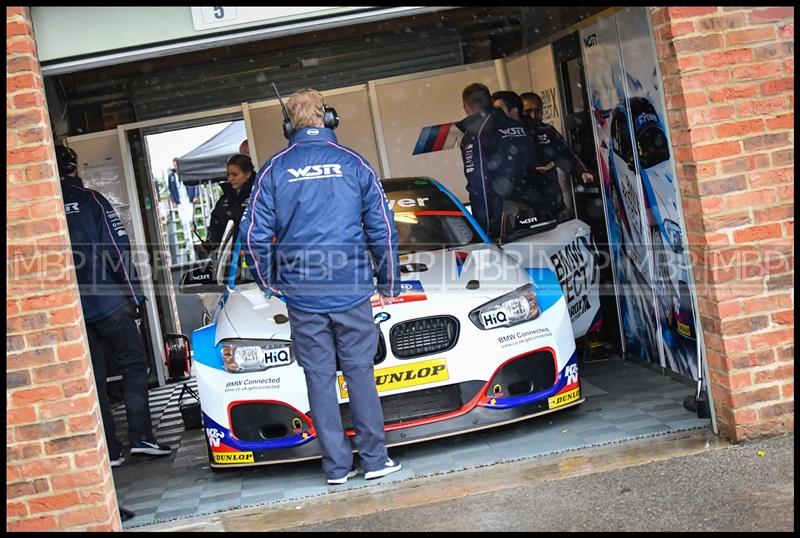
421	403
423	336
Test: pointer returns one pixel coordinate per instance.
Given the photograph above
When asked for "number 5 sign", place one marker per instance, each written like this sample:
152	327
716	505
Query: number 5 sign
204	18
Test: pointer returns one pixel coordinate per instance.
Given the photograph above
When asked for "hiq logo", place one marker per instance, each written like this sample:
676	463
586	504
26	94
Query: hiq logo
316	171
214	436
277	356
490	319
590	41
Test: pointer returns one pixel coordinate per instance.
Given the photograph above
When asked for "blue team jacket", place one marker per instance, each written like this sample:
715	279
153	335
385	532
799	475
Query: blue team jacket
101	252
326	208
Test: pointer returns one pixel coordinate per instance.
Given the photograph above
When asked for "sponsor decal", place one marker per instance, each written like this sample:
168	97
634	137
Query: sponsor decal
233	457
315	171
259	383
72	207
116	224
571	373
590	40
523	337
214	437
461	259
408	202
563	399
512	131
312	132
575	270
406	375
410	291
380	317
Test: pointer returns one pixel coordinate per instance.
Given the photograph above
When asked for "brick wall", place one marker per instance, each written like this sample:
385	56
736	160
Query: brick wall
57	471
729	84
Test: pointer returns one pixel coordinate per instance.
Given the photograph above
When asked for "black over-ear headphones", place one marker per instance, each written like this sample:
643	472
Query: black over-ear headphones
67	160
330	119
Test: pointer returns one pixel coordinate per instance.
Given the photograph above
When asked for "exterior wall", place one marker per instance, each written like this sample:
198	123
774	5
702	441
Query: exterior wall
728	76
57	472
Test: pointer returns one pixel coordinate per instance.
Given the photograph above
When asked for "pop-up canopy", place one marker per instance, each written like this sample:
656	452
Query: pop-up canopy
207	161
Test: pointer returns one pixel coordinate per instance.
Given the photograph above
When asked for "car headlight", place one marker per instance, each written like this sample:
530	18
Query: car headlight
240	356
674	235
512	308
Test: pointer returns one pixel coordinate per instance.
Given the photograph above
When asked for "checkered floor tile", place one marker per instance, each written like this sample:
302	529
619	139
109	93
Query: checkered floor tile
623	401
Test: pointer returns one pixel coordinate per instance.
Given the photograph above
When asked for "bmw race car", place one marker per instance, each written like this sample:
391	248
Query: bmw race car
477	338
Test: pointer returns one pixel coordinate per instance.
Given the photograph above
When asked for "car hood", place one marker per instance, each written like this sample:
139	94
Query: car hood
451	281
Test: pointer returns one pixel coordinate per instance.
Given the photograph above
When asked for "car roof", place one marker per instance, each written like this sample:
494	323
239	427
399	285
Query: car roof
413	183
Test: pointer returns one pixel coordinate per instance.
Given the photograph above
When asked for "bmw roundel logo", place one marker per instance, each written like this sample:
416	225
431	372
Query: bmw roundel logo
380	317
312	131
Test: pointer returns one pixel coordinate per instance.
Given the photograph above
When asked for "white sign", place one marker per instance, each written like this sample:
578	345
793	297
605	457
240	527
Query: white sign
208	18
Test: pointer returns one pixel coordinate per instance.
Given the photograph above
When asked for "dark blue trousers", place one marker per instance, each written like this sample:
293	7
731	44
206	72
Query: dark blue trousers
353	337
121	335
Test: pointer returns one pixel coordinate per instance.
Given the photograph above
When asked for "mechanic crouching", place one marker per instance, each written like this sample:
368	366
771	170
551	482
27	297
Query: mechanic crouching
327	212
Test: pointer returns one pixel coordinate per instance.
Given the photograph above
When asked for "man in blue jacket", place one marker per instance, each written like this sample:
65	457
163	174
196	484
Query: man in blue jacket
316	213
111	299
497	153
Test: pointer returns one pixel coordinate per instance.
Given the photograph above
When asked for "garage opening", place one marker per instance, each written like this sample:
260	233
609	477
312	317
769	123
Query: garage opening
617	256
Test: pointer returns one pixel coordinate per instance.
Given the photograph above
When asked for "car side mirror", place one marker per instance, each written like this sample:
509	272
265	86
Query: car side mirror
200	280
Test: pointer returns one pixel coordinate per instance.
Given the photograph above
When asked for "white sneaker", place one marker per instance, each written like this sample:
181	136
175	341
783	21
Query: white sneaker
119	460
391	467
343	480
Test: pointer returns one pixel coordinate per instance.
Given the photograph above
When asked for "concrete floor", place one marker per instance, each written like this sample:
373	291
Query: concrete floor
624	401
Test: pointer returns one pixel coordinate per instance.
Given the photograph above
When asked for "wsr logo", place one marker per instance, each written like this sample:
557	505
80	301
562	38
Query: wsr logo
316	171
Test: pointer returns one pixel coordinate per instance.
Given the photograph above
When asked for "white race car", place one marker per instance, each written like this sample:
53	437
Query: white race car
476	339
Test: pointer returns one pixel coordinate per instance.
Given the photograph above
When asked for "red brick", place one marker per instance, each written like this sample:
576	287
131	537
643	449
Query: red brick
24	451
45	467
773	214
743	399
734	345
71	406
786	31
785	121
35	395
54	336
787	391
39	524
71	444
786	192
776	410
782	157
739	128
689	63
40	430
750	198
771	339
20	415
26	323
53	503
21	64
781	85
22	45
83	516
705	79
728	220
715	151
788	67
757	107
771	14
688	12
32	191
776	176
738	380
34	357
70	351
83	424
751	35
76	480
728	57
757	233
16	510
15	28
757	71
784	318
65	315
64	371
767	141
712	204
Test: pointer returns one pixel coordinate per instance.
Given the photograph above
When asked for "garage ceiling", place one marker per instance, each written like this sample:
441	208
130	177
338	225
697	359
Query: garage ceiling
345	56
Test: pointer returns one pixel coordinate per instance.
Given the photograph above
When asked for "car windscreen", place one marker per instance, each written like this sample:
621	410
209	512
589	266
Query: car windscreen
651	144
429	220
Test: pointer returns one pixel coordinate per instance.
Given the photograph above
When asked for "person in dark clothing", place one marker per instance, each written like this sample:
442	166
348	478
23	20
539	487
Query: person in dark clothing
497	152
510	103
174	184
111	299
552	152
231	206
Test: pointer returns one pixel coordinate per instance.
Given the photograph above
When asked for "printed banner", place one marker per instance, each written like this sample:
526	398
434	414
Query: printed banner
410	290
676	311
437	138
622	192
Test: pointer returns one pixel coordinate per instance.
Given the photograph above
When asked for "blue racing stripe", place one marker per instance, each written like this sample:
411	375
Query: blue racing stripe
463	209
545	283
